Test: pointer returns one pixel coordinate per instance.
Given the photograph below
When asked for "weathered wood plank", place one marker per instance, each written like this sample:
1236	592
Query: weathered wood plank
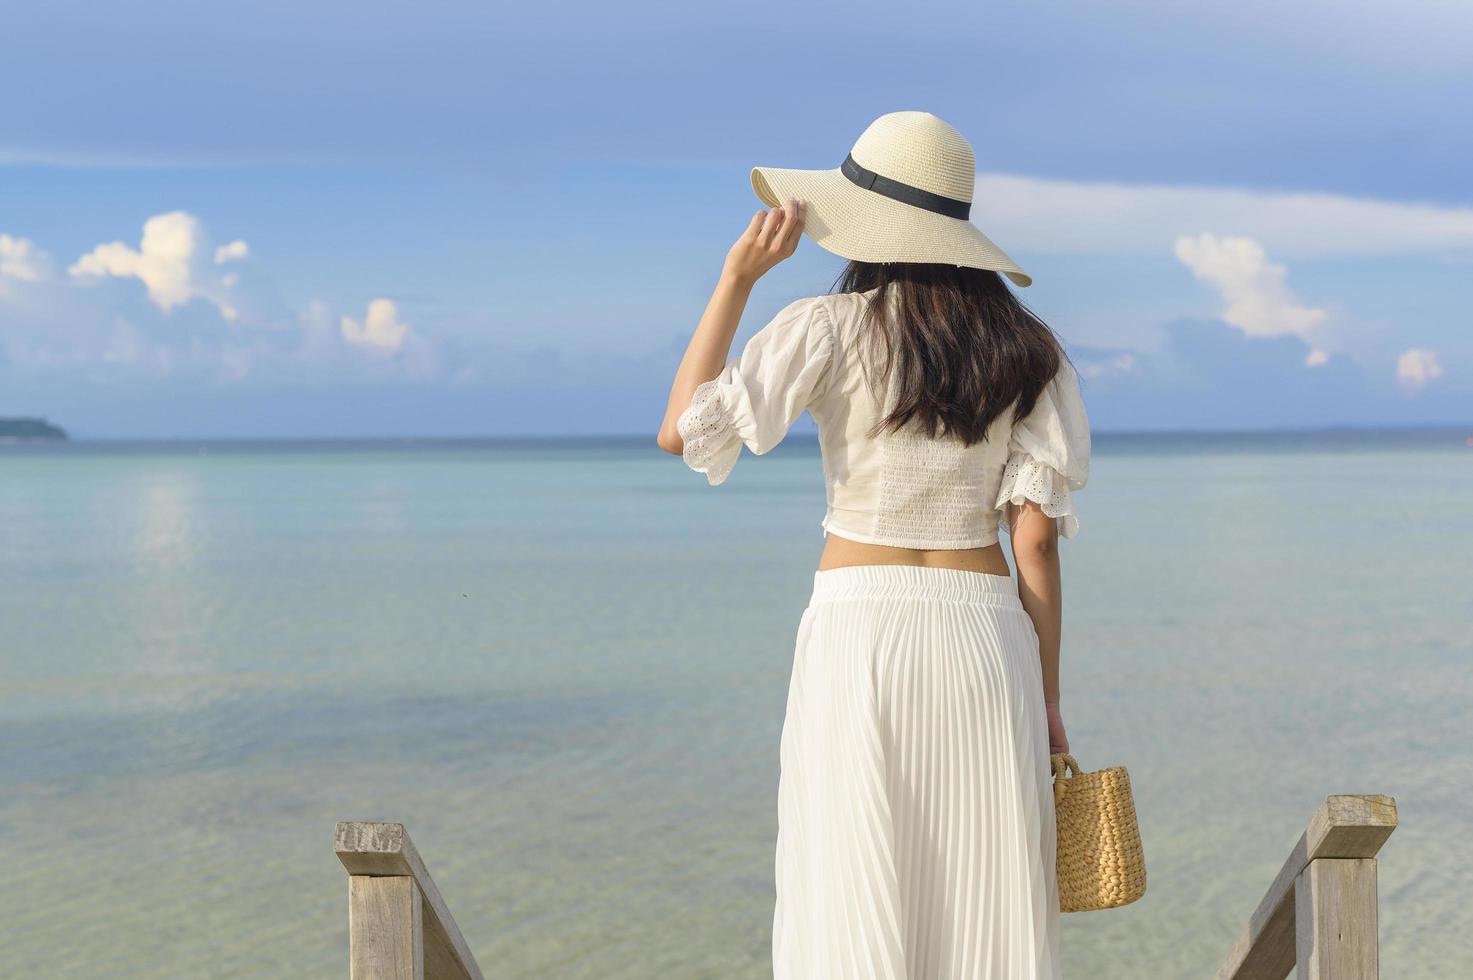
1336	920
385	929
384	849
1265	947
1351	826
1345	826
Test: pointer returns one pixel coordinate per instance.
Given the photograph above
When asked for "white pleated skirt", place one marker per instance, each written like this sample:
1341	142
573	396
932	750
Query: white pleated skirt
915	802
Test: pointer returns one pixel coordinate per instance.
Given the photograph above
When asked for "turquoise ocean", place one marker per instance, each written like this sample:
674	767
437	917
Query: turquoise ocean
563	664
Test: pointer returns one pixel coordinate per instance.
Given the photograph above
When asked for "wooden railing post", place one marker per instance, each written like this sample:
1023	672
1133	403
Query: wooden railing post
1320	912
385	929
398	925
1335	920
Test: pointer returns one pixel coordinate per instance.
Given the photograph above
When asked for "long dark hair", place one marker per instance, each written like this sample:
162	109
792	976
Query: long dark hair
960	350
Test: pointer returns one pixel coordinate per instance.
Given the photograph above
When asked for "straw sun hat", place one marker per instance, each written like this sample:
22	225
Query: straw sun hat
903	195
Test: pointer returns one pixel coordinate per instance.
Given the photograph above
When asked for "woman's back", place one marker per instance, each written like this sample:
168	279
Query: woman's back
902	489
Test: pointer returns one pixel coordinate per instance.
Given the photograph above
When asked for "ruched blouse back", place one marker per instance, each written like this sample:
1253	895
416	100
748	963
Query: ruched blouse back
900	488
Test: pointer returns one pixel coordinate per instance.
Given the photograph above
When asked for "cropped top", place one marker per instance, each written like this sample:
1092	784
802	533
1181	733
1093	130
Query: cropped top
901	488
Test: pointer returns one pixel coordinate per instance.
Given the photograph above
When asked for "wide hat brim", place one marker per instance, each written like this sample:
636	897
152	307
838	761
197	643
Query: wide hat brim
855	223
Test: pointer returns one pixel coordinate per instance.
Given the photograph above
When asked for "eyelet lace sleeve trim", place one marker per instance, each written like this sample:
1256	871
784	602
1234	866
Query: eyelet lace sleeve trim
712	445
1025	478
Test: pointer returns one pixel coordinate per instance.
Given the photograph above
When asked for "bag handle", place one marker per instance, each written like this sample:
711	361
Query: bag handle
1062	763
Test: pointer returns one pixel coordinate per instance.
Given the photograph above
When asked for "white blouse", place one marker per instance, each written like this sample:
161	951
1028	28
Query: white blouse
902	488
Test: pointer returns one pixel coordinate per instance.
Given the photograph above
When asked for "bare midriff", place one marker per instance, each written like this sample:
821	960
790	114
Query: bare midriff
839	552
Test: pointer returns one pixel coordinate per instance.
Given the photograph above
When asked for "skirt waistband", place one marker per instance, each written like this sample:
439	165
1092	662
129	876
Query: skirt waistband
913	581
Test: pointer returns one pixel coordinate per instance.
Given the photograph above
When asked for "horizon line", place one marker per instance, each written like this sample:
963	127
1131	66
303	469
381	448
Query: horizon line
1336	429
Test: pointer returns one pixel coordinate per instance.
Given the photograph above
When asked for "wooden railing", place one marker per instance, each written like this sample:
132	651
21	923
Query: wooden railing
1320	912
398	925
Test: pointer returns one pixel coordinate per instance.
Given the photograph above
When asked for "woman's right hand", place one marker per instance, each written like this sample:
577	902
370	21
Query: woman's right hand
1057	740
770	237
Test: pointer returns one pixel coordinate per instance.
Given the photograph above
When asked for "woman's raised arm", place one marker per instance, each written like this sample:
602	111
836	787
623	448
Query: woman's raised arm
770	237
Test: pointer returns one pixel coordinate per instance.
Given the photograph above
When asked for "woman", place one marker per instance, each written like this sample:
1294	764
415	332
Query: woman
915	810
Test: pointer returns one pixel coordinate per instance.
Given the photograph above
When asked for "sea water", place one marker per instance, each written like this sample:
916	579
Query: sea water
563	664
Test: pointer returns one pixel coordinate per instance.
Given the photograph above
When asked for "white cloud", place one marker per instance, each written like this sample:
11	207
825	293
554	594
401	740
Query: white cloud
161	261
1316	358
21	261
1107	365
63	325
380	330
167	262
235	251
1031	214
1418	367
1257	297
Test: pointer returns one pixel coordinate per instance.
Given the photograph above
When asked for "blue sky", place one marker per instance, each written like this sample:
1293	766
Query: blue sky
334	219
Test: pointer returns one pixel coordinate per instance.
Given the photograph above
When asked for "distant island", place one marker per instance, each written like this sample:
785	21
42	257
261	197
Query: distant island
30	430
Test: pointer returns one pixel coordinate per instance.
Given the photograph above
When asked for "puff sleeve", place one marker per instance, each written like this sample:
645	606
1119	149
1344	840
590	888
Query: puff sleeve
759	395
1048	453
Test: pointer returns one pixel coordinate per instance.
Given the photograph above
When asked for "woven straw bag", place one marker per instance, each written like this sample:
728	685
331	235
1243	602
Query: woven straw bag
1099	859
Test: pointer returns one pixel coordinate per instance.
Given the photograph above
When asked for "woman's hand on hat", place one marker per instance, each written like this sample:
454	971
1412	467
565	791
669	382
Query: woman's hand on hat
771	236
